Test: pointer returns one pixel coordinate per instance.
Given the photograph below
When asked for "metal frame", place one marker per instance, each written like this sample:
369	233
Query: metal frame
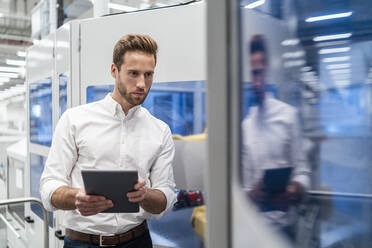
45	213
218	181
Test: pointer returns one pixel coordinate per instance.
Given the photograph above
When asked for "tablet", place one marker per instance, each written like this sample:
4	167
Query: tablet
276	180
114	185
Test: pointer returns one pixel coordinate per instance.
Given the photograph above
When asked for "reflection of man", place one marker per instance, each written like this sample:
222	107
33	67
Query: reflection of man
271	139
114	133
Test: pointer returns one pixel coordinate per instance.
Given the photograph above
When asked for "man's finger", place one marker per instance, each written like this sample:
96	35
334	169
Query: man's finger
95	209
106	203
135	193
139	185
136	199
91	198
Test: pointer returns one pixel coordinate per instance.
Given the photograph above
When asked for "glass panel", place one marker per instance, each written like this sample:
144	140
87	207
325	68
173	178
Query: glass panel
63	78
173	103
98	92
306	72
41	112
37	163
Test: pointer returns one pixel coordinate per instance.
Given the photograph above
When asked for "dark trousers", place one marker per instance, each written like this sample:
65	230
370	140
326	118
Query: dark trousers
143	241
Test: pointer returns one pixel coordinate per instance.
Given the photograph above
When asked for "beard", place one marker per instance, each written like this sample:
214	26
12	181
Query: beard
259	93
130	98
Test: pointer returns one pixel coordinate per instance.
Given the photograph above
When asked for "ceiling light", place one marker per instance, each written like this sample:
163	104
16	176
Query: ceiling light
336	59
327	17
341	76
11	69
4	79
342	82
342	71
293	55
21	54
334	50
255	4
294	63
306	68
290	42
338	66
16	62
121	7
8	75
332	37
332	43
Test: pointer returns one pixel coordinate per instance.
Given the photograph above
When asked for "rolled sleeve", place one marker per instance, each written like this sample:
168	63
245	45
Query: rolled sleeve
61	159
161	175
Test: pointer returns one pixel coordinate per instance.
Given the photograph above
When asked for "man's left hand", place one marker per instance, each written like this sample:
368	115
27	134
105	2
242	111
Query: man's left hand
292	196
295	192
139	194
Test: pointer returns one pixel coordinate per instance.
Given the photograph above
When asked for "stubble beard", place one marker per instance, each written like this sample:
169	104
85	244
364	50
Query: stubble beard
134	101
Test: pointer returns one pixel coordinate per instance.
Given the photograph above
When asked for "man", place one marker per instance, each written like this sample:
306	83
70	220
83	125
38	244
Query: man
271	139
114	133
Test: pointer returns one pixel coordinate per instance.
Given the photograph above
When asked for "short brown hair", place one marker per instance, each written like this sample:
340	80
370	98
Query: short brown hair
258	44
133	42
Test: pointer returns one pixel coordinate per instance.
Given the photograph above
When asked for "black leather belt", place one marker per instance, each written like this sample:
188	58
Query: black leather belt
107	240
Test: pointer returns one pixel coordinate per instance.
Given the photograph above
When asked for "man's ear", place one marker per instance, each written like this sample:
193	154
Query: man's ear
114	70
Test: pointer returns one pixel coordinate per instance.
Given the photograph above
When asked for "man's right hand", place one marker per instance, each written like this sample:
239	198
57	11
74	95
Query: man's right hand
91	204
257	193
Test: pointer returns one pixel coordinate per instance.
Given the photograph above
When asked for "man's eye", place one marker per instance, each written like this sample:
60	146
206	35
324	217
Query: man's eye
133	73
148	74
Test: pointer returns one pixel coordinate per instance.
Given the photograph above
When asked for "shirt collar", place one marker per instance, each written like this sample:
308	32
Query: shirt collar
115	108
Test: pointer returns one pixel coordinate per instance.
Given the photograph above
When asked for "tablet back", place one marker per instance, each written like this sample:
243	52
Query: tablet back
276	180
114	185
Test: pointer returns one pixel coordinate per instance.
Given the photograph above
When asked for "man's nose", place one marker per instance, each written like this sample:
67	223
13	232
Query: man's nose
141	82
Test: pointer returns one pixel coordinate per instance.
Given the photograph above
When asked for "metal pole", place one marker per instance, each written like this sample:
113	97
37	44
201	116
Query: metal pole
45	213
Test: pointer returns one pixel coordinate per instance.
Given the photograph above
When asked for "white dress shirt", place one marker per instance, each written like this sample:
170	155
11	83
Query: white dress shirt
272	139
100	136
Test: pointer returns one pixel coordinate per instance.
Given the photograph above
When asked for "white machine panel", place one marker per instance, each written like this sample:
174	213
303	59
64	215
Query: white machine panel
62	71
40	69
189	164
40	60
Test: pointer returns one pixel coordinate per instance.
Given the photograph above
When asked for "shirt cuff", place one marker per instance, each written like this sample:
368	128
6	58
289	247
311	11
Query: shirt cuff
303	180
47	192
170	195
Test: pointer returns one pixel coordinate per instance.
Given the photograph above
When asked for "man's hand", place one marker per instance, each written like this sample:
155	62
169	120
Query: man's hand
257	193
139	194
91	204
295	192
292	196
151	200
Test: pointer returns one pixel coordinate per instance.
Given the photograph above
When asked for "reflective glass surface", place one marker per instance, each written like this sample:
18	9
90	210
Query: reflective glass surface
37	163
41	122
63	78
306	118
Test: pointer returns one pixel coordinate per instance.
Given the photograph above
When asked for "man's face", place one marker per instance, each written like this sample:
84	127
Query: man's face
135	76
258	70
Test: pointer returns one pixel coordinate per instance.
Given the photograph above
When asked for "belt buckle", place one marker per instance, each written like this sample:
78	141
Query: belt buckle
101	240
